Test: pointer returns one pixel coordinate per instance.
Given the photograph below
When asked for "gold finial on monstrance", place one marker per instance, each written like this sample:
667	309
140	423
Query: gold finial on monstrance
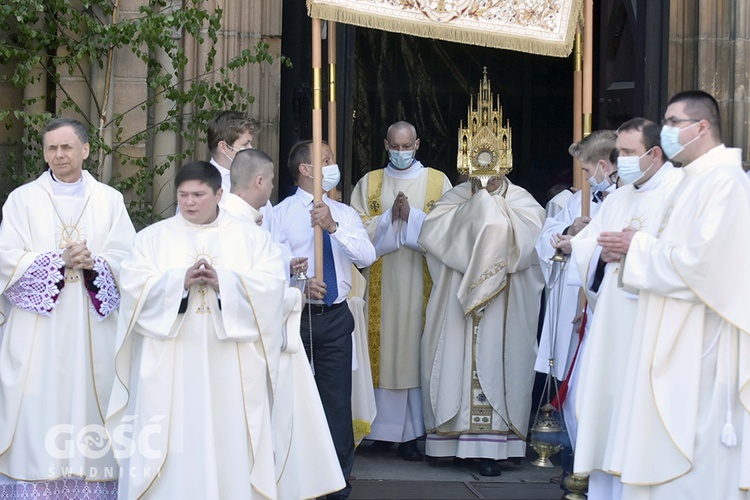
484	145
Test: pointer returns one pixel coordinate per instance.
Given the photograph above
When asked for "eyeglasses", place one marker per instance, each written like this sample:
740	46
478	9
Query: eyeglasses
672	121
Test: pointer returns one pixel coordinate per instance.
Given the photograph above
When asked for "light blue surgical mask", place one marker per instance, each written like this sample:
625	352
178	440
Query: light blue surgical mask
331	177
629	168
599	185
670	140
401	160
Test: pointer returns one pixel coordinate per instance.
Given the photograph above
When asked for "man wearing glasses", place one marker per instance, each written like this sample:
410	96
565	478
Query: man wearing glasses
682	428
647	180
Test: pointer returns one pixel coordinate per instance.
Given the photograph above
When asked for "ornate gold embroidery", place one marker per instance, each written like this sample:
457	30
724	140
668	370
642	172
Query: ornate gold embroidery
481	409
69	233
204	307
374	309
489	273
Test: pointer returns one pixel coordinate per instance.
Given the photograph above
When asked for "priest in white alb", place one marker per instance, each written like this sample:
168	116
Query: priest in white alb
558	339
648	181
300	428
479	342
393	203
683	425
61	242
204	301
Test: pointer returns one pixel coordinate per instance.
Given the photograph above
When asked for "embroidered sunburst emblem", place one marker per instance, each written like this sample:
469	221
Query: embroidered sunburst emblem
69	233
374	206
637	222
206	255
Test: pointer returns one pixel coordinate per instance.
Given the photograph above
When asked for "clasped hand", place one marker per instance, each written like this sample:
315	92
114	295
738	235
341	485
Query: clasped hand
202	273
78	256
400	209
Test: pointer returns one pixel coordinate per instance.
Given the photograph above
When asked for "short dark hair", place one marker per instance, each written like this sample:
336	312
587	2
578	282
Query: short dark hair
79	128
700	105
201	171
648	129
228	126
300	153
247	165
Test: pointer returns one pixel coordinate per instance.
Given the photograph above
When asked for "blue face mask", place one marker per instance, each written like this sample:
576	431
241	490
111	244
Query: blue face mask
599	185
401	160
670	140
629	168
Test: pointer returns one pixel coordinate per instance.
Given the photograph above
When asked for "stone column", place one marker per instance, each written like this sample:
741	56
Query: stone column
244	24
709	50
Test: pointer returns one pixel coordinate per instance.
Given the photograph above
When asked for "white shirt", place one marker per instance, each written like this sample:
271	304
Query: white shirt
349	243
226	183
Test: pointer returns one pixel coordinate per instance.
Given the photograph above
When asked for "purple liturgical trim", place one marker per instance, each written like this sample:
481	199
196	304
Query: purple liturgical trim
38	288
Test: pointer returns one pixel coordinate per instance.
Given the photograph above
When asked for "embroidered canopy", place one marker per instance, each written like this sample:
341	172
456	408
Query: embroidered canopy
545	27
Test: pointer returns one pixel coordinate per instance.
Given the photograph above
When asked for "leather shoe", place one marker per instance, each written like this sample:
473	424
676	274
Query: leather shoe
380	446
409	451
489	467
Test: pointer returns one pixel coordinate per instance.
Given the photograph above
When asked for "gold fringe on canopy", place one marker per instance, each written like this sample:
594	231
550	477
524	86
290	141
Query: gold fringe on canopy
545	27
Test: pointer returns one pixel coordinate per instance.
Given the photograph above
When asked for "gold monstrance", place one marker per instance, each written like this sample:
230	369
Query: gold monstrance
484	149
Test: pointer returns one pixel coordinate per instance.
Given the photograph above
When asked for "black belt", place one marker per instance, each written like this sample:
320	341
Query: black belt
318	309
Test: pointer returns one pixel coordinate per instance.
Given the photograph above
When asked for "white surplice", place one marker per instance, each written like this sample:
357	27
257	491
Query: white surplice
687	382
558	337
602	363
477	384
197	383
57	351
401	297
300	428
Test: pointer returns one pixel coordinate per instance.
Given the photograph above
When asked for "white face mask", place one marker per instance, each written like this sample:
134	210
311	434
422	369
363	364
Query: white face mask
401	160
231	159
599	185
629	168
331	177
670	140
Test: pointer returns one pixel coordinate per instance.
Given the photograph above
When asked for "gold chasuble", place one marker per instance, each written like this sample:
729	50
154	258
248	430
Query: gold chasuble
397	295
479	341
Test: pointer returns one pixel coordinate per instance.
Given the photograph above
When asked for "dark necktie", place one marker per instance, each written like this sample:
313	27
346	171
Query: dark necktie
329	271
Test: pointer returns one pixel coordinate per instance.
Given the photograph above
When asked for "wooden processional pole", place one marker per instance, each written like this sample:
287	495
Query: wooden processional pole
317	141
578	179
332	87
588	87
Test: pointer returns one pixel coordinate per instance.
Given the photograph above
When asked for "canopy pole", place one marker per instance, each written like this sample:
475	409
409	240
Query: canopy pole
578	179
588	87
317	142
332	88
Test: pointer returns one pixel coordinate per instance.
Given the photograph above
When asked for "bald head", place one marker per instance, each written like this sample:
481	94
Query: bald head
401	144
251	177
401	128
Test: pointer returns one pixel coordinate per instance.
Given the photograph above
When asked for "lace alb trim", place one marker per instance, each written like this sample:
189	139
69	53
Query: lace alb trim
37	291
108	295
72	488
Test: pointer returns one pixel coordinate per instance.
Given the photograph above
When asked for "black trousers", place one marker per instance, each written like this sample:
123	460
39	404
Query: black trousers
332	358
